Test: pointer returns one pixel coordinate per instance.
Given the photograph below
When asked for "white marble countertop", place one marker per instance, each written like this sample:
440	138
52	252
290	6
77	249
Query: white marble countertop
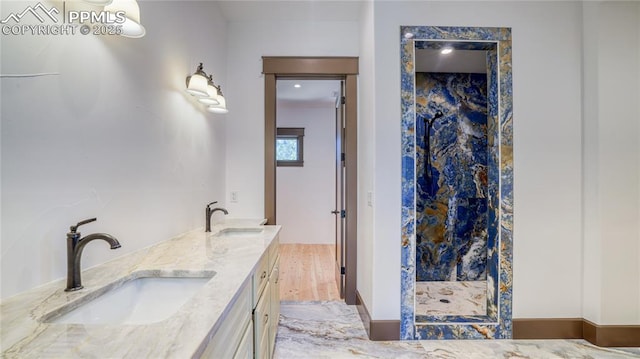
25	334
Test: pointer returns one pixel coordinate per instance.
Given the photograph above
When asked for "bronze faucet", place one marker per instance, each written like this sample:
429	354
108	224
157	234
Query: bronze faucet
208	212
75	245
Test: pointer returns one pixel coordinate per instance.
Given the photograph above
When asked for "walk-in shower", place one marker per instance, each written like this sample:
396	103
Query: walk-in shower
451	187
456	182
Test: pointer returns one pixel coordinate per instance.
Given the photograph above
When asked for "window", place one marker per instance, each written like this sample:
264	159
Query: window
289	147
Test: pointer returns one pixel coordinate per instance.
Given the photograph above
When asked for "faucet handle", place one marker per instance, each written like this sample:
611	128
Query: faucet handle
75	228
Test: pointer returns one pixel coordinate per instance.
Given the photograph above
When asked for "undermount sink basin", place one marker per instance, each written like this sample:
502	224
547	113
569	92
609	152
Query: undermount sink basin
239	232
139	301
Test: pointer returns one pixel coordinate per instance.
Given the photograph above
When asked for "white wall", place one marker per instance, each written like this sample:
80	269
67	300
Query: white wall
611	163
366	164
113	135
248	41
547	152
305	196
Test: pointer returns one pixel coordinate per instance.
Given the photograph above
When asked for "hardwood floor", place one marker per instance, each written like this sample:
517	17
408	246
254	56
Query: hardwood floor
307	272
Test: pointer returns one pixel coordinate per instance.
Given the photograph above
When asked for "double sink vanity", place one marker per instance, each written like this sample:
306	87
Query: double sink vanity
199	295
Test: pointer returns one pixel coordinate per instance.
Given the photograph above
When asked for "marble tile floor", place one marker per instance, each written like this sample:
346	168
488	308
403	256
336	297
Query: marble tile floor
332	329
451	298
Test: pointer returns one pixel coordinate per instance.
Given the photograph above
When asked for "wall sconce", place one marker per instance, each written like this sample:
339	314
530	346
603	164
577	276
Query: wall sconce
131	27
212	93
197	83
98	2
221	107
202	86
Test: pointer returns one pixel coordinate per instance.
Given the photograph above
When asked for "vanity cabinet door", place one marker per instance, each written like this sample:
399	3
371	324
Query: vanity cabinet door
260	278
261	320
274	252
274	310
229	335
245	349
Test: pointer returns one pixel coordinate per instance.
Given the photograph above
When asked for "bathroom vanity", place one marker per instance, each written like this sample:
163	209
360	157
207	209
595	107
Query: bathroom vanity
249	330
232	312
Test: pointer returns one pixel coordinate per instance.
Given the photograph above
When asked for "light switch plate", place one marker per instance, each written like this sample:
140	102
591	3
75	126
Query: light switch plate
370	199
234	196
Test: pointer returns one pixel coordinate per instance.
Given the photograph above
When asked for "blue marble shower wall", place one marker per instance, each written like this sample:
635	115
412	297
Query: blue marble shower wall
451	177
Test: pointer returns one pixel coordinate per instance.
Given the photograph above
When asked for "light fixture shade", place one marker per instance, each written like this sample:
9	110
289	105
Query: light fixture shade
98	2
131	27
220	108
197	83
212	93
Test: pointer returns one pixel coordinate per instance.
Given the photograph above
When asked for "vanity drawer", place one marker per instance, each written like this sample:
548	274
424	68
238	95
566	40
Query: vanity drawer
260	278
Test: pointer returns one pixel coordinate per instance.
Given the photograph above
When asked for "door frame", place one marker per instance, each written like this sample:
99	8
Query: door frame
340	189
274	67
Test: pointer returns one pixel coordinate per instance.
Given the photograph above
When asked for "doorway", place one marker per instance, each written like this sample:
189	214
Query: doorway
345	211
307	188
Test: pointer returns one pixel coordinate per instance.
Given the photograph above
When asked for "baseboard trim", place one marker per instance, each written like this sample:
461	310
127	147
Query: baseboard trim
385	330
611	335
555	328
536	328
377	330
577	328
364	313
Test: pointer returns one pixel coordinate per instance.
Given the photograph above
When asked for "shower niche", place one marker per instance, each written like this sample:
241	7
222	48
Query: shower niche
456	183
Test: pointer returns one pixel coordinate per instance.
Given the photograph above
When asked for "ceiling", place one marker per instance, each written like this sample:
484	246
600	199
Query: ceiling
459	61
309	90
319	10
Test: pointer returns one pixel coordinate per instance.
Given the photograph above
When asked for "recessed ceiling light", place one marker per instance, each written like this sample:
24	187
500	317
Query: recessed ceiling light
297	86
446	50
